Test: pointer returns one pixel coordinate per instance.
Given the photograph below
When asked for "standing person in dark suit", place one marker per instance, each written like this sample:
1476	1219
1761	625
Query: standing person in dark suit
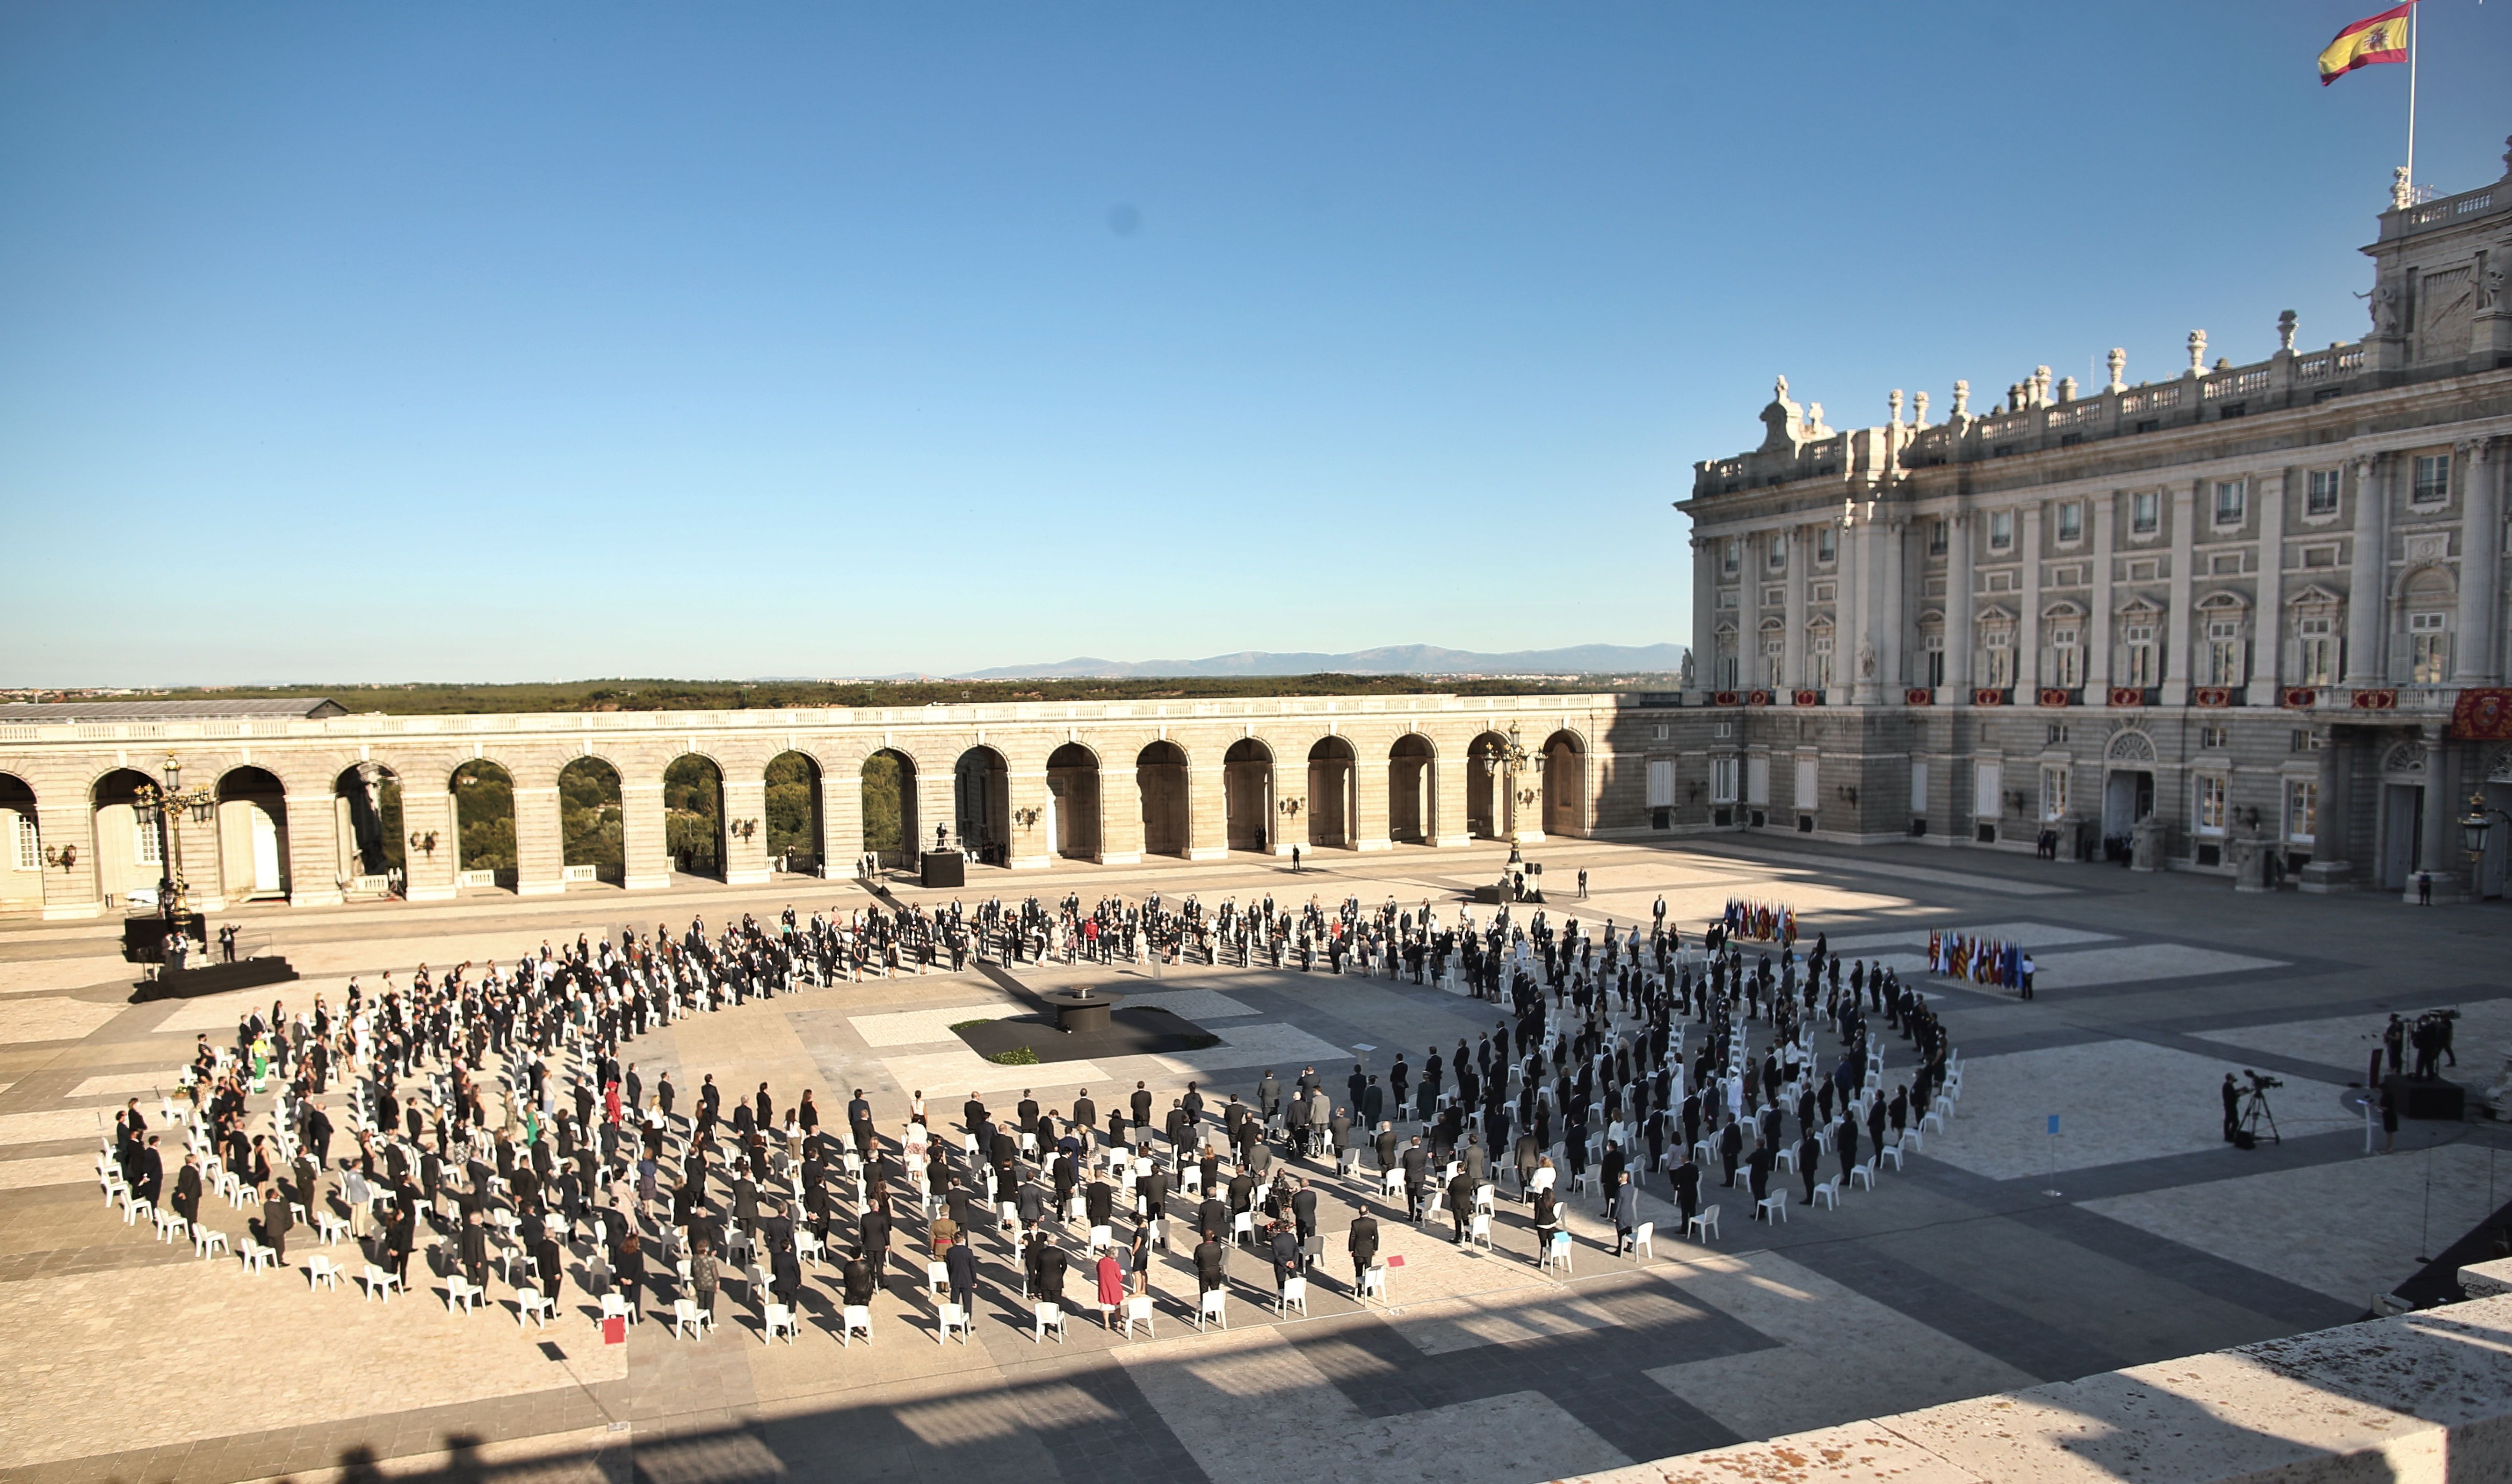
1461	1202
1547	1219
1362	1243
1809	1155
187	1190
1687	1187
960	1265
149	1182
1417	1178
1731	1149
276	1221
1209	1255
2233	1107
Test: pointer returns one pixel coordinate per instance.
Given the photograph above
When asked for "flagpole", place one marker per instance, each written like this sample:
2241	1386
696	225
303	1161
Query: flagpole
2412	98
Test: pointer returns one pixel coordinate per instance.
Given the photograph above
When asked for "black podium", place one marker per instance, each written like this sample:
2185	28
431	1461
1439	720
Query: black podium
945	868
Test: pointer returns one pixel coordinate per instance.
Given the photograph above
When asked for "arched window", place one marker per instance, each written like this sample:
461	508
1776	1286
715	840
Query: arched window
1819	655
2428	601
2318	659
1997	648
2227	658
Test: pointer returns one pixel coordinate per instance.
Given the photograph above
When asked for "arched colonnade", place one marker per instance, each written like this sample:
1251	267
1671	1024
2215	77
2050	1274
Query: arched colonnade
313	823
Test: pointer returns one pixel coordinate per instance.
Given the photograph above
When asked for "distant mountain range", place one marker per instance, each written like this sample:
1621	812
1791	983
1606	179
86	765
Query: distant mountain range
1393	659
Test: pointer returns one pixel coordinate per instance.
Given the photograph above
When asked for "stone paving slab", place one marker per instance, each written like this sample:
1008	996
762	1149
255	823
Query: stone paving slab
48	1018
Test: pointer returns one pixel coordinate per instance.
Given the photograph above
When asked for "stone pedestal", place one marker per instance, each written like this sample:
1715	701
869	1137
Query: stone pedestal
2145	847
2322	877
2447	887
2248	856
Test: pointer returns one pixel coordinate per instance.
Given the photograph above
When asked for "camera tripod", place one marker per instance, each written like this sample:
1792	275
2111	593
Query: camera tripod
2254	1112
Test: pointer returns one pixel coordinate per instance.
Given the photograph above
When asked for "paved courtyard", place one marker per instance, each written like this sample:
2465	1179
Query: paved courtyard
131	1360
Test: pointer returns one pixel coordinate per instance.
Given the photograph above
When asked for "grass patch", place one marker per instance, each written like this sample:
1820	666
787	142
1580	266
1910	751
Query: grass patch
963	1028
1018	1056
1201	1042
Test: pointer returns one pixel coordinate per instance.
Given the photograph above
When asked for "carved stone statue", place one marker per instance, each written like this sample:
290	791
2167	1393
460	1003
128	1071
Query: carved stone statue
2489	290
1919	406
1865	661
2197	350
2402	194
1687	669
2285	330
2119	362
1782	422
2385	308
1962	400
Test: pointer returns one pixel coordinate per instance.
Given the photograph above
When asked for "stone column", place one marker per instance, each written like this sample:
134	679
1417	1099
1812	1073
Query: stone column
77	892
1207	813
745	861
2438	848
1029	845
2028	620
645	853
1960	625
1121	813
2267	620
1705	617
1444	821
314	868
1793	652
540	846
1752	572
2481	565
1893	619
1370	784
2367	649
2329	869
426	811
1849	626
2097	621
1866	656
2177	661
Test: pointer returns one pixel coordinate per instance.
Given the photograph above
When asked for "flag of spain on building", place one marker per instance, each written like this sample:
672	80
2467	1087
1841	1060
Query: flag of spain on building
2372	39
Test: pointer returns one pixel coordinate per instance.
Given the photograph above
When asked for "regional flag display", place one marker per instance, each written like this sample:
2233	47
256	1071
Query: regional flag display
2373	39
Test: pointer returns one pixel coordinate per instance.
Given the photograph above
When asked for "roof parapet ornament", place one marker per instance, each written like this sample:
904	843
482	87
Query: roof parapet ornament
1782	421
2286	323
1919	412
1962	401
1895	403
2197	351
2118	363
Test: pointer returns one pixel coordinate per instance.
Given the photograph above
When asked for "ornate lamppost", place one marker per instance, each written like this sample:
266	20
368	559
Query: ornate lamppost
161	806
1513	759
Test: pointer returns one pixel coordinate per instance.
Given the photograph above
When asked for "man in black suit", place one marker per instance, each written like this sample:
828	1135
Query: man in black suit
1209	1255
1461	1202
149	1183
1417	1178
1687	1187
1362	1244
960	1265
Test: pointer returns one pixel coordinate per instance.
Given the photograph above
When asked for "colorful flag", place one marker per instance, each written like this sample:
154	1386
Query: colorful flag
2376	38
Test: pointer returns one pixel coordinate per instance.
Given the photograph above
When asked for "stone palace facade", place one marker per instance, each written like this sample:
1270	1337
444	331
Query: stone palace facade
2250	618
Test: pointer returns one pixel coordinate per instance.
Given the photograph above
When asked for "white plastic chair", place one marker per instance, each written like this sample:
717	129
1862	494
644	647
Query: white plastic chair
1936	1114
688	1318
1866	1170
170	1227
331	1227
1215	1307
1911	1141
1294	1295
937	1277
459	1290
1483	1197
857	1320
779	1317
1137	1309
1773	1206
808	1247
1641	1239
1101	1239
379	1282
1891	1152
131	1208
953	1317
1479	1229
1828	1192
257	1256
532	1304
207	1240
321	1270
1705	1223
1391	1184
1244	1225
1556	1252
1050	1317
614	1307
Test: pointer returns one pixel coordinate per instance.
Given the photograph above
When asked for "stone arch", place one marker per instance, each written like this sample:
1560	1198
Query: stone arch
1487	802
1247	795
130	856
2130	745
1333	770
981	796
1565	782
2498	769
1073	801
1161	776
891	827
253	834
367	824
2404	759
693	815
591	820
797	834
1412	781
22	846
484	821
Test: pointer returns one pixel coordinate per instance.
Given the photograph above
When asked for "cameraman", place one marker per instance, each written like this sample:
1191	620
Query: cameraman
2232	1108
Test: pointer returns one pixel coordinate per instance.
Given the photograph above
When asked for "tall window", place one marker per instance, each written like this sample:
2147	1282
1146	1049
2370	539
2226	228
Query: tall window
1827	543
1733	557
2054	793
1727	662
2210	812
2433	479
2071	520
146	847
1936	537
2001	529
1774	654
2316	649
1779	551
2302	811
1997	655
2066	657
2321	497
2223	651
1818	657
1933	645
1722	780
2232	499
2428	648
2145	512
31	851
2141	655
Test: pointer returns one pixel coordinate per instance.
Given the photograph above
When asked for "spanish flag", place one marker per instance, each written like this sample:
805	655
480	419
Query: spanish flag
2374	38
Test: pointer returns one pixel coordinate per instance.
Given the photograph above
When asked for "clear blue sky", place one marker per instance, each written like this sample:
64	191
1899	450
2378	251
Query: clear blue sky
473	342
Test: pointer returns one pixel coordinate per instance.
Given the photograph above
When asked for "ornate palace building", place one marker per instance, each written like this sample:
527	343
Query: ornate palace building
2247	619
